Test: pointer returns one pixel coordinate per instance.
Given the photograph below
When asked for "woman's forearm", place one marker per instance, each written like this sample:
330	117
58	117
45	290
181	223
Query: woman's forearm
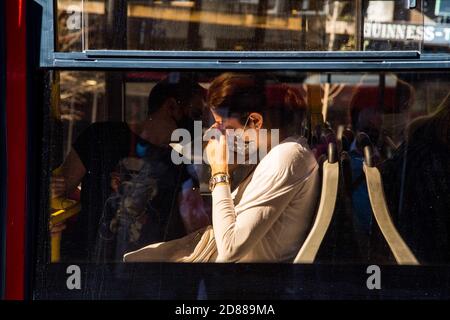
224	220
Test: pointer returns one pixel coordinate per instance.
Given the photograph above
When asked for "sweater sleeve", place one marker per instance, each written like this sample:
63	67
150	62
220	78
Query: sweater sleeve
271	188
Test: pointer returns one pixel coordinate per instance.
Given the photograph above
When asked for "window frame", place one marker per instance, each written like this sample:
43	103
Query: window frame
251	60
47	273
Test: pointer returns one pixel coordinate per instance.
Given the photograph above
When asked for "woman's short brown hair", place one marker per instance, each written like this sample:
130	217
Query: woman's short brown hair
236	95
239	94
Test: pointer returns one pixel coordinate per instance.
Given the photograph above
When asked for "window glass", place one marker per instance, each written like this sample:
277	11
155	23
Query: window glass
436	26
130	168
248	25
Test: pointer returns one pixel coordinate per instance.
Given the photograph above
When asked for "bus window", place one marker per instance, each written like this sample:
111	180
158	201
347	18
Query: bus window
131	168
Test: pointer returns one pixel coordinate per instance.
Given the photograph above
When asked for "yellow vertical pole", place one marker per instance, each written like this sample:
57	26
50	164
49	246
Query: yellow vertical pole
56	247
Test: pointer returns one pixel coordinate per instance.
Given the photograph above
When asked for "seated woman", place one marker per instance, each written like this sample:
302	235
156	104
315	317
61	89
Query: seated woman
267	217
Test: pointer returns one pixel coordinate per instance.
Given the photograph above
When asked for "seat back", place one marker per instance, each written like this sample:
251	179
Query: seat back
327	202
402	253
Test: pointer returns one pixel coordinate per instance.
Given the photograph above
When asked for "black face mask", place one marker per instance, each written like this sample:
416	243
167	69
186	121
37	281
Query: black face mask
187	123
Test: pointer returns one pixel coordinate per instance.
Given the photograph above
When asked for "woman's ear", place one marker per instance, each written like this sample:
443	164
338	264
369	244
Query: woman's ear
257	120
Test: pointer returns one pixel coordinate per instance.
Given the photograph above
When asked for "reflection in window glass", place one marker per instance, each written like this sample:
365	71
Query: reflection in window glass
129	167
260	25
68	26
437	26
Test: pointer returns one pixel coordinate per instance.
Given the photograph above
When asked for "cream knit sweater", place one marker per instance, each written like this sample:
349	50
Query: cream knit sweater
266	219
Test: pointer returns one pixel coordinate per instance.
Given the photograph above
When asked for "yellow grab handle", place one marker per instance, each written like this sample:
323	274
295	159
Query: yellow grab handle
56	247
65	208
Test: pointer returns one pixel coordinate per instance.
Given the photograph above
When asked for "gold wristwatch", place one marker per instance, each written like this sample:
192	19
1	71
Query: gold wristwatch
218	178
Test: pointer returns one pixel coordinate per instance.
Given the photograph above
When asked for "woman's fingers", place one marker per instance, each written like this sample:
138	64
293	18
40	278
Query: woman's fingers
57	186
224	149
58	179
57	228
211	151
217	153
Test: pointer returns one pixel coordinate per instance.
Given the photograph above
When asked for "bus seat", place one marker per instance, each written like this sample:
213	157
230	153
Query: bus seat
329	190
340	244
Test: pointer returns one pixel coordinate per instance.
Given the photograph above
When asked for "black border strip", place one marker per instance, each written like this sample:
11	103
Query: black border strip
35	109
2	148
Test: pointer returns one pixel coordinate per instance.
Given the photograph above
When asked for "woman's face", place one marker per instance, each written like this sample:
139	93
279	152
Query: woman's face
248	131
247	137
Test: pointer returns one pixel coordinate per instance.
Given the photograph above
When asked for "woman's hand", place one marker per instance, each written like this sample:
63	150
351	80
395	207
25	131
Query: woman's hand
57	229
217	153
57	186
115	181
